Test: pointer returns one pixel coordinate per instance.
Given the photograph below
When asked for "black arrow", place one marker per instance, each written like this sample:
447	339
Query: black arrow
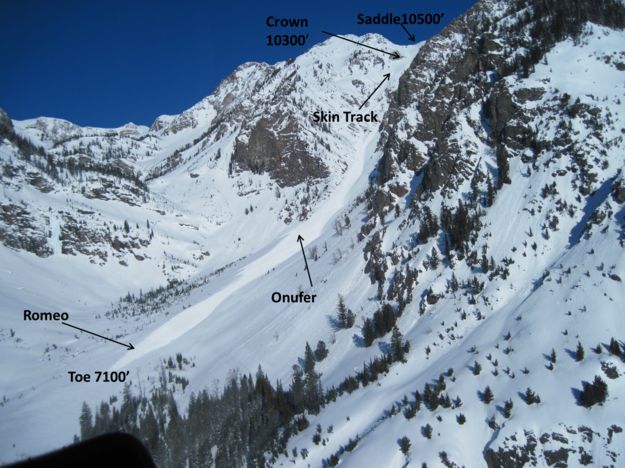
300	239
395	55
129	345
386	77
410	36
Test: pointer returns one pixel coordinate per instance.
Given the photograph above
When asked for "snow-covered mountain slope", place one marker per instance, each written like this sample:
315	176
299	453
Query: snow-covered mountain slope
532	268
484	217
190	211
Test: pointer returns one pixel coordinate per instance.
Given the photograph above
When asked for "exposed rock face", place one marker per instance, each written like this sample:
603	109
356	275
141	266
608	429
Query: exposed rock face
266	111
513	456
284	156
5	122
502	109
551	449
442	79
466	66
19	230
618	191
77	236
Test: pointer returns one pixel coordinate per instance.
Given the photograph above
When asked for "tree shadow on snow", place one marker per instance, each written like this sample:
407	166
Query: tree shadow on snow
358	341
577	393
334	323
572	354
592	203
384	347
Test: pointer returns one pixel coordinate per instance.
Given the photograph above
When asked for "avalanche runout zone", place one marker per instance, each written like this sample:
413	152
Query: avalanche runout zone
310	230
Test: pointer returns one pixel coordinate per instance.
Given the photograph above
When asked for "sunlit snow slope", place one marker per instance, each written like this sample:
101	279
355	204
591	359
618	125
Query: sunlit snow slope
200	219
486	212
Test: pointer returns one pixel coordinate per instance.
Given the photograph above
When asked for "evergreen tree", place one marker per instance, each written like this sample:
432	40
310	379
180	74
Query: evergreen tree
434	260
475	180
262	387
459	227
351	319
507	408
313	391
312	383
490	192
440	383
150	434
321	351
404	445
387	321
487	395
309	359
614	347
297	388
128	410
412	409
453	283
427	395
102	423
397	345
86	422
579	352
484	261
341	313
367	332
477	368
428	225
175	434
531	397
594	393
552	356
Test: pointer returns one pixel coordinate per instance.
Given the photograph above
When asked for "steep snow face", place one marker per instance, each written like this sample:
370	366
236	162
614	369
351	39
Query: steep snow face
261	110
90	214
487	211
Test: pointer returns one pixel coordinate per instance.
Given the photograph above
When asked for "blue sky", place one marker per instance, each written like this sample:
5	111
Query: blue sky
108	62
